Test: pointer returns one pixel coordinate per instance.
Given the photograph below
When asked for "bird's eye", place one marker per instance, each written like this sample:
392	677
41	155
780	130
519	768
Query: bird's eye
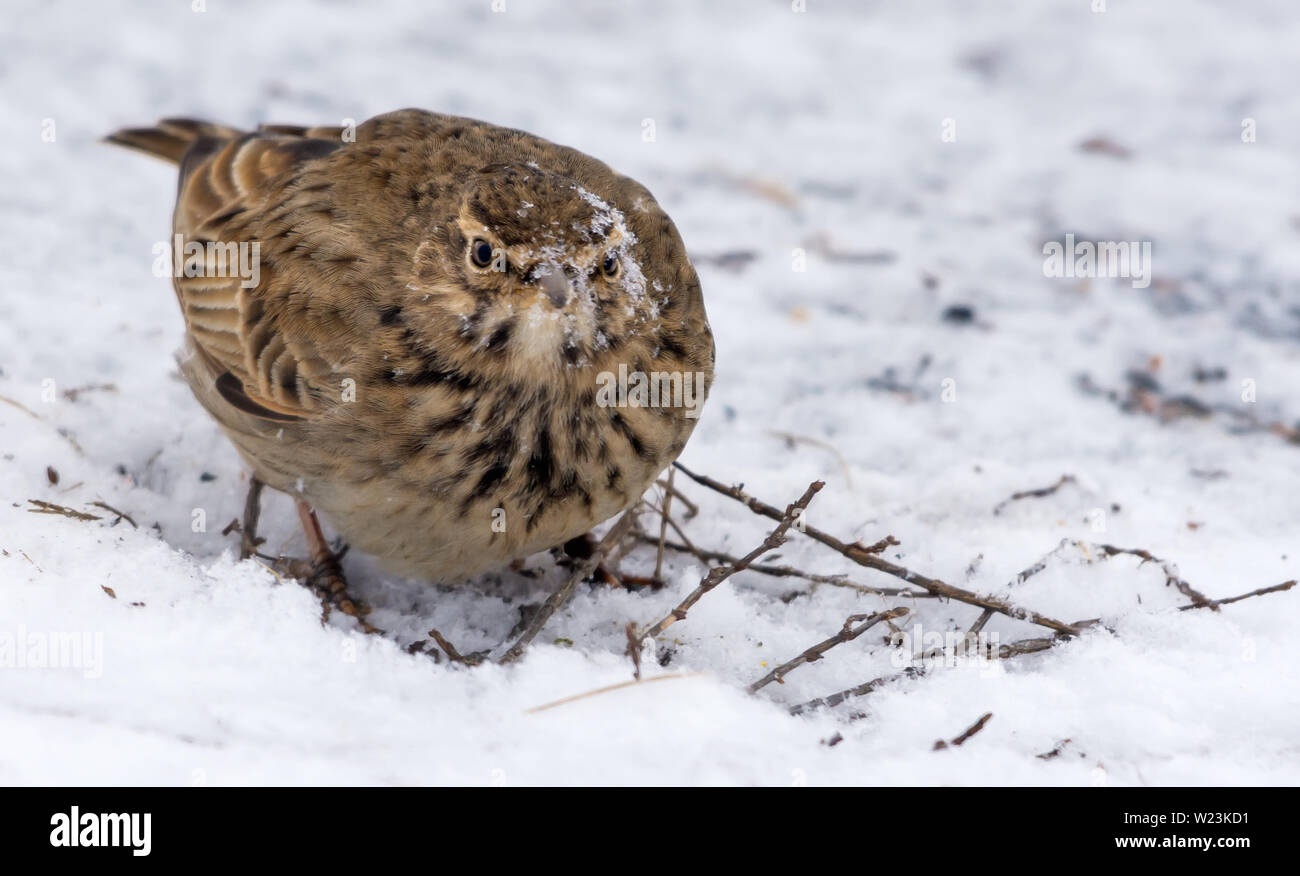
609	267
480	253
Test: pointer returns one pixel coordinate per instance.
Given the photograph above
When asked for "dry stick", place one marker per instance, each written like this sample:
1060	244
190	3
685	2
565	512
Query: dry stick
980	622
718	574
987	614
1034	494
1198	599
967	733
664	511
791	572
690	545
43	507
1212	603
624	544
973	729
610	687
1040	565
861	690
1028	646
691	508
565	591
633	649
452	654
1015	649
863	557
1055	752
1215	603
121	515
846	634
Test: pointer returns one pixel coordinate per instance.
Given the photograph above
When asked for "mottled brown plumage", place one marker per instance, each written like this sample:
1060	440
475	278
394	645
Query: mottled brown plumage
378	372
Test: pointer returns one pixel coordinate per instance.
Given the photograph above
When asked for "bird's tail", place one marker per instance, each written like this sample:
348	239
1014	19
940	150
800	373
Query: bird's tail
170	139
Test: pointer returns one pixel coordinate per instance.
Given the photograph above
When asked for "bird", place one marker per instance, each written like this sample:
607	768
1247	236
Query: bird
433	346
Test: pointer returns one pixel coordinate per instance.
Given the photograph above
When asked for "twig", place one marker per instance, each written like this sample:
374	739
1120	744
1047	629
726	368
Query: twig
880	546
452	654
633	649
665	513
705	555
863	557
1040	565
980	622
1027	646
121	515
562	595
71	394
1056	751
833	700
610	687
718	574
967	733
43	507
1015	649
847	633
1215	603
691	508
1200	600
1034	494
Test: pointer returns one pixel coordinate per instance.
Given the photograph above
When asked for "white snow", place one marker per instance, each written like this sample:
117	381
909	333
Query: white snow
773	131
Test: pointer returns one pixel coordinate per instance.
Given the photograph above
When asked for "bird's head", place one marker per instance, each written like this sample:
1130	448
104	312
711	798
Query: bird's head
536	266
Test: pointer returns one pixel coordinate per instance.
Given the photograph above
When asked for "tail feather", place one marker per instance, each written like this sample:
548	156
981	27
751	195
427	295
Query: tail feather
170	139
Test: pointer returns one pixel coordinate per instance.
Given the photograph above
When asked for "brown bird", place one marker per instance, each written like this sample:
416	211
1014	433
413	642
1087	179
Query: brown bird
435	330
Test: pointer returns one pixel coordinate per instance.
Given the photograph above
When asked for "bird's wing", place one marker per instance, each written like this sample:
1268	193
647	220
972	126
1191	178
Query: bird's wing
245	221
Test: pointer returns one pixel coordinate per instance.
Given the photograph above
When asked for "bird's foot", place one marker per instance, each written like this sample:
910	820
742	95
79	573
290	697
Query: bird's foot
247	525
323	573
326	579
583	546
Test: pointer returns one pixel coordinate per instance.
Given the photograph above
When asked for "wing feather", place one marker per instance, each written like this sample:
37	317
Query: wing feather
226	197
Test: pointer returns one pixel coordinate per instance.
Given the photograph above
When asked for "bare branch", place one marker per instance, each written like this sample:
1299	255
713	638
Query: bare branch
1034	494
863	557
705	556
691	508
452	654
718	574
121	515
1200	600
610	687
847	633
665	515
562	595
967	733
1215	603
43	507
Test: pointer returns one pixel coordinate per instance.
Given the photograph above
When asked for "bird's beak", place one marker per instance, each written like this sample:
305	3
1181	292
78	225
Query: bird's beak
556	286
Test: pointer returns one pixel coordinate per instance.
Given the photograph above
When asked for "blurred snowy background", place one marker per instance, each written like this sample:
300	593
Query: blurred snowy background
828	131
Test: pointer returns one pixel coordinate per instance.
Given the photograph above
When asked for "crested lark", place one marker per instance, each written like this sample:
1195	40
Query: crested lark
430	354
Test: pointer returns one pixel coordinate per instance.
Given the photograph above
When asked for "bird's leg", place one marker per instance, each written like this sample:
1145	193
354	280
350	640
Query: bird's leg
326	573
248	540
581	547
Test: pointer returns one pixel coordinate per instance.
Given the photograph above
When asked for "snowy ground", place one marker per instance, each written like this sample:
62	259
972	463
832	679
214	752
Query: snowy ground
774	131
